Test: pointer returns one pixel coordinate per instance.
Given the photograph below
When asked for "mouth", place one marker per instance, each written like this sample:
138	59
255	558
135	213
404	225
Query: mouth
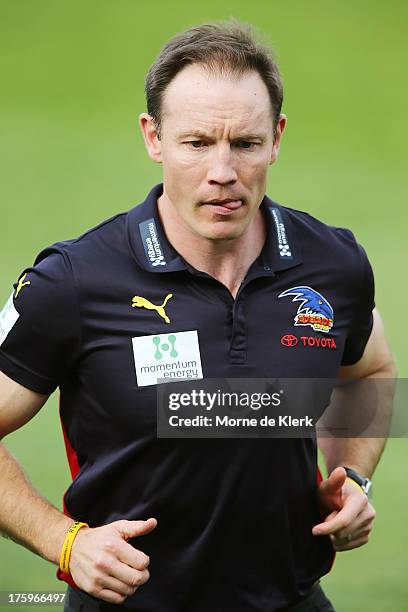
225	206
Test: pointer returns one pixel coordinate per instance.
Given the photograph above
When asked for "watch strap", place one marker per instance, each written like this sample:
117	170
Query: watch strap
364	483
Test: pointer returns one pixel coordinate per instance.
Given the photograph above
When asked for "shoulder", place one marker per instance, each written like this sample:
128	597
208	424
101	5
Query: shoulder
309	228
61	269
95	242
321	242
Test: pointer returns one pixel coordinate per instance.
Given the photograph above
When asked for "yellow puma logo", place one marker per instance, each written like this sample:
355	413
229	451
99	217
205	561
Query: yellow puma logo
21	284
141	302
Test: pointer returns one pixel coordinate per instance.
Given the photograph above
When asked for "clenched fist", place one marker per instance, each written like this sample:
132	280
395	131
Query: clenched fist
104	565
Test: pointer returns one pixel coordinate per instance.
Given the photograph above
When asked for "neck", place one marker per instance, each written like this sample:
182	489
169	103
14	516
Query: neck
226	260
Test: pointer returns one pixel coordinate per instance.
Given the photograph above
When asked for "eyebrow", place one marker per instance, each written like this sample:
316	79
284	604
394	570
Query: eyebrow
203	135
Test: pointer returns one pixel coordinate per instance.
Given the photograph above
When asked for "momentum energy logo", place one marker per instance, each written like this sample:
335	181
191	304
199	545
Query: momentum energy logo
151	243
167	357
162	347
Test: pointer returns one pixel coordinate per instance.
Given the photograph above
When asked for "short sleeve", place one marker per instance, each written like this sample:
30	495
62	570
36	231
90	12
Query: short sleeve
362	321
39	326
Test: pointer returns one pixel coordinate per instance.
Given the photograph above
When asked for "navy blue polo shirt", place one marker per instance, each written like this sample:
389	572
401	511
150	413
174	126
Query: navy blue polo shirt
106	315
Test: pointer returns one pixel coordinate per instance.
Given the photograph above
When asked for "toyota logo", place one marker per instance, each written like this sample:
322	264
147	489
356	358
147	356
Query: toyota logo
289	340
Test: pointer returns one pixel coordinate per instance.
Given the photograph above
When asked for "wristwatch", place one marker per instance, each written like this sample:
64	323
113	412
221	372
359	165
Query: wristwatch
363	482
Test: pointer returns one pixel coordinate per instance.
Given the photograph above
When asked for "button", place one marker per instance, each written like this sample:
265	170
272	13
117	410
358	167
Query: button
267	268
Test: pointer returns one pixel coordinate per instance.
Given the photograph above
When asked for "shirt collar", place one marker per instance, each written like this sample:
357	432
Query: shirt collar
147	237
154	253
282	248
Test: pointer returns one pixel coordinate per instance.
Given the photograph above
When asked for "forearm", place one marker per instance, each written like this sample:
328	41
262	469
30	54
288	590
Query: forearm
360	412
360	454
25	516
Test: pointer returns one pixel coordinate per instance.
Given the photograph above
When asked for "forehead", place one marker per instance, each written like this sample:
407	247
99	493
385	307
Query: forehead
202	98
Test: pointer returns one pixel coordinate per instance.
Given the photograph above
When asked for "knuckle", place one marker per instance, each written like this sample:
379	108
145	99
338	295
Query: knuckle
109	546
140	578
141	565
130	590
93	588
145	576
102	564
89	587
135	581
97	582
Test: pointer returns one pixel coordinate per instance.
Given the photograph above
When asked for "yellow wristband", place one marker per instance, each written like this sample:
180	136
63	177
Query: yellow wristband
356	484
67	546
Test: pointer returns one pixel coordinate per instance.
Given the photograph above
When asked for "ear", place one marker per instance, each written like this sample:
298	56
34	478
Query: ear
150	137
277	137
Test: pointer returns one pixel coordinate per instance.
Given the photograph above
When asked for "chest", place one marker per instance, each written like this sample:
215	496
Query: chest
175	329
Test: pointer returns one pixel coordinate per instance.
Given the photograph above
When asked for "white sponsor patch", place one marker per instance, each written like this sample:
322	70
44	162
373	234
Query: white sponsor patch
151	243
8	317
283	244
167	357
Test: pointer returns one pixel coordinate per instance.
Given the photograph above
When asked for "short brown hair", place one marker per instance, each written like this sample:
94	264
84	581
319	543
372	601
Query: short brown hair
228	48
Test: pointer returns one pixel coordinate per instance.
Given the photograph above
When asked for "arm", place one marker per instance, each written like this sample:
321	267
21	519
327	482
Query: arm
31	520
349	515
361	454
24	515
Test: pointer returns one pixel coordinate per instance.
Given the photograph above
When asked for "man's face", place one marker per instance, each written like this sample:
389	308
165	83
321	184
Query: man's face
216	145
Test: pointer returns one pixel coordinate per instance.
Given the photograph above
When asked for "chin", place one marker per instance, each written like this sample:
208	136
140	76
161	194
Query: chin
221	233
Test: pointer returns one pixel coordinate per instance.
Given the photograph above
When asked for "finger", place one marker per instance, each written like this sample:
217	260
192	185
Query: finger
131	556
316	528
117	549
342	520
330	490
124	587
110	596
111	583
346	535
354	543
133	529
355	528
335	481
364	520
128	575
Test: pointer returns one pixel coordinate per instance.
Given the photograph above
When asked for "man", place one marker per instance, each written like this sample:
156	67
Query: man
210	271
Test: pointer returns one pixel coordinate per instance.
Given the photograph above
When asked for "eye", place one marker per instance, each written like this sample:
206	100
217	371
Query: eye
246	144
196	144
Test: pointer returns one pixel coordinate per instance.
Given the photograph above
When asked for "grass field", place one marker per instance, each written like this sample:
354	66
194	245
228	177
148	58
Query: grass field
71	155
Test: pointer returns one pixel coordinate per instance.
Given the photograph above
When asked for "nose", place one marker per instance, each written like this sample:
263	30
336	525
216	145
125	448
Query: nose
221	168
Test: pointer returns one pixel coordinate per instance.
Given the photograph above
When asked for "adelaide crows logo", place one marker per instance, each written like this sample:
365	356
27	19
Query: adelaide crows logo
313	310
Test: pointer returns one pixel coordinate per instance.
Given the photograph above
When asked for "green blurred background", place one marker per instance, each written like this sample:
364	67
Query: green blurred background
71	155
